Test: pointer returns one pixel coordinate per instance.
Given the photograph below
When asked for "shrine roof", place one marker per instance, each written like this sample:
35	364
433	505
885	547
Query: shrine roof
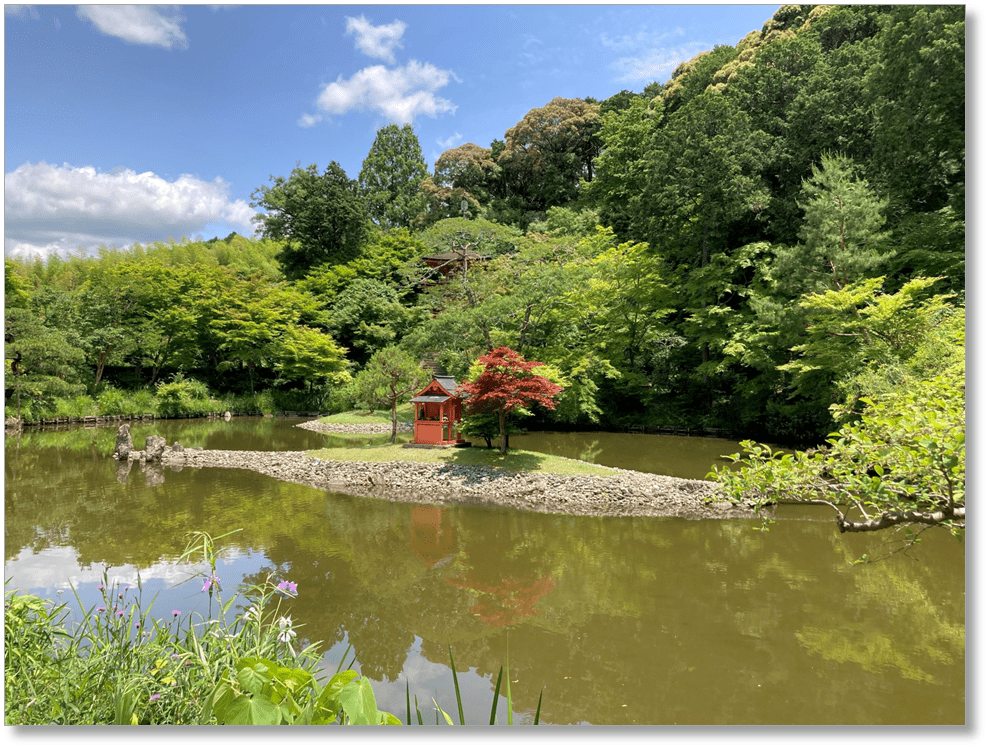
447	383
431	399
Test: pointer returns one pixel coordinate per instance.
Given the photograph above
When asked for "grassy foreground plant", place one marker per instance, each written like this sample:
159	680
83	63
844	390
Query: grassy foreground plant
120	666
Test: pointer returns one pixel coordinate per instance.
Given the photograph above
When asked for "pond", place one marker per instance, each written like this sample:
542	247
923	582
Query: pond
615	620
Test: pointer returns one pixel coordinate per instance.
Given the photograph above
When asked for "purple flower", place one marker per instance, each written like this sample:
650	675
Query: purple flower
154	697
288	587
120	595
99	587
101	608
176	612
209	582
120	613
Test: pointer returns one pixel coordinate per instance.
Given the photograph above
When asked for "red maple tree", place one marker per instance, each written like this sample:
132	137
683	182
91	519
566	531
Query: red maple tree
507	383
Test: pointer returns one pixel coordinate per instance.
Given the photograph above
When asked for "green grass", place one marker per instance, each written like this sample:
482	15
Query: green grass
516	460
405	413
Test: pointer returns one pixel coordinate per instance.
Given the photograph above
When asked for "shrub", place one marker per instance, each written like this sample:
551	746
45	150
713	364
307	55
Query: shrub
181	397
112	401
75	407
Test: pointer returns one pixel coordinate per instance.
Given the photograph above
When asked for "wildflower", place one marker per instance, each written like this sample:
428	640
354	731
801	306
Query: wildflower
101	608
251	613
176	612
209	582
287	588
154	697
99	587
120	613
285	625
120	595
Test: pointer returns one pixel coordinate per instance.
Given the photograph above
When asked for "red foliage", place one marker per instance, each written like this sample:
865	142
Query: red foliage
508	383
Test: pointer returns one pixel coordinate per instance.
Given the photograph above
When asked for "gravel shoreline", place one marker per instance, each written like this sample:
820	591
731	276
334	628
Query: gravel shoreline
319	426
627	493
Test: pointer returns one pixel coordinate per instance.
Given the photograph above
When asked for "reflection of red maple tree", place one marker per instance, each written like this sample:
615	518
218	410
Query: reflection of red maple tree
507	383
506	602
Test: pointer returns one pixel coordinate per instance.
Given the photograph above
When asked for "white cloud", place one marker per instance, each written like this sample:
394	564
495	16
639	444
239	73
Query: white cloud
59	209
651	55
22	11
454	140
401	94
656	65
58	568
308	120
376	41
159	26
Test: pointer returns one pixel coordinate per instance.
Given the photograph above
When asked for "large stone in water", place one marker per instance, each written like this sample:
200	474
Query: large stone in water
155	447
124	443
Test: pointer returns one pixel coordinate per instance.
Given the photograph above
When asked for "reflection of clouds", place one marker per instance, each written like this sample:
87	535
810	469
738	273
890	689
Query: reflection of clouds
56	569
426	680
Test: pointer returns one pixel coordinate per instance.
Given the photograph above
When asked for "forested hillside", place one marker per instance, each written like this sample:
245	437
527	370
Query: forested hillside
756	245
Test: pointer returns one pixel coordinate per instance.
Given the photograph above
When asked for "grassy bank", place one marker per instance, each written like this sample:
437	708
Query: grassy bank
405	413
516	461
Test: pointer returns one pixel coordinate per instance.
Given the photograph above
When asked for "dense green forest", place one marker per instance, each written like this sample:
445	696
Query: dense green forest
757	245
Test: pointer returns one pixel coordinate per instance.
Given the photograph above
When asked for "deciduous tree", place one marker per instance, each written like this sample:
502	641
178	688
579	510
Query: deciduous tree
506	384
903	464
318	217
311	355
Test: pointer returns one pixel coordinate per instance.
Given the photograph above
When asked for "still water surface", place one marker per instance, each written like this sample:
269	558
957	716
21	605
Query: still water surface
616	620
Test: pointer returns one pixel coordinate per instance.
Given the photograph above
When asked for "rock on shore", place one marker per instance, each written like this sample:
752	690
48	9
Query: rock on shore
319	426
627	493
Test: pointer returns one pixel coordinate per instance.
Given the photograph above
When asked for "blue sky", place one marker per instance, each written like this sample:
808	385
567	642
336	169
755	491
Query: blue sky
140	123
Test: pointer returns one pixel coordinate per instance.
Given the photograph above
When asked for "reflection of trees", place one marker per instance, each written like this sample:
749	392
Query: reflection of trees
937	630
652	620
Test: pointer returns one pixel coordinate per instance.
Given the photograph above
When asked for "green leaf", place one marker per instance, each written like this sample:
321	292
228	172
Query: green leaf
447	718
387	719
252	675
252	711
456	687
494	702
357	699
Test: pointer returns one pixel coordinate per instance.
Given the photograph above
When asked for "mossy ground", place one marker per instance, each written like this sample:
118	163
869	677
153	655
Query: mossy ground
405	413
516	460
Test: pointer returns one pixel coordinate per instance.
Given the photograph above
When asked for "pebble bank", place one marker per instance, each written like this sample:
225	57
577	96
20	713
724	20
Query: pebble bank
625	493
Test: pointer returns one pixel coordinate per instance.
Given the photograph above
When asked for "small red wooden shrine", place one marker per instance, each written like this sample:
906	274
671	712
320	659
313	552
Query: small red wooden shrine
437	413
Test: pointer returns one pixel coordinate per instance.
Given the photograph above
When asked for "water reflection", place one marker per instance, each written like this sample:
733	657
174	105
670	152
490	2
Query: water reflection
618	620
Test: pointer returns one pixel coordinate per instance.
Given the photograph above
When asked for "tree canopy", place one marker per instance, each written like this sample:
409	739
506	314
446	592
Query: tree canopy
507	383
390	177
318	217
757	245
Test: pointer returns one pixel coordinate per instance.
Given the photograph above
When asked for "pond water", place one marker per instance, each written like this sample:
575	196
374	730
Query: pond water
615	620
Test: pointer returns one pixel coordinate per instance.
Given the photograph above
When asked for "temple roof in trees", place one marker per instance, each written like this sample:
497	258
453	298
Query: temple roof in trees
457	255
446	384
